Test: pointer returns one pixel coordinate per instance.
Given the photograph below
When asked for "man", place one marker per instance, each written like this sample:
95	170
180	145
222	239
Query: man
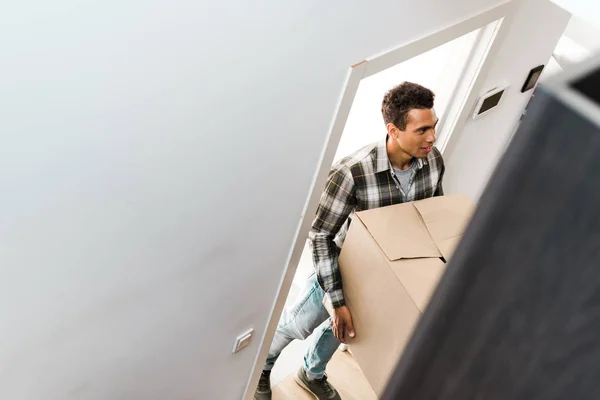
404	166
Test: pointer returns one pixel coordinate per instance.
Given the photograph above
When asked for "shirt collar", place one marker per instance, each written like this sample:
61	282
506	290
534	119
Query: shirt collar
383	161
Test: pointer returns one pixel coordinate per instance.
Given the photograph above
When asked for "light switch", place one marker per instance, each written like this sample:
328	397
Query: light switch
243	340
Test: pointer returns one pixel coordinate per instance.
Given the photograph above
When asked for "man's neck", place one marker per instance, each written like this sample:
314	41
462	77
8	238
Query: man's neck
398	157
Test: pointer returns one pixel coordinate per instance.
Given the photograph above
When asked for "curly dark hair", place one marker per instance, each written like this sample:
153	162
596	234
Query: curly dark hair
399	100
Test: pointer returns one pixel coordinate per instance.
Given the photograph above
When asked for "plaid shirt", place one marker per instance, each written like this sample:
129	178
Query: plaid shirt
362	181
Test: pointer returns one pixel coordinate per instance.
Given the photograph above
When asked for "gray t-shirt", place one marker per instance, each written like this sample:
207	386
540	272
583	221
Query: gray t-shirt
403	177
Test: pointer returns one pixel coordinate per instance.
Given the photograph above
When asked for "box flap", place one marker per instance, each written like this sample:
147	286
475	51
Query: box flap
446	218
419	277
448	246
399	231
383	312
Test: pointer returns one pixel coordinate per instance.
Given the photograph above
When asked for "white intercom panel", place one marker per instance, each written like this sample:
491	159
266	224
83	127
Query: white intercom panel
489	100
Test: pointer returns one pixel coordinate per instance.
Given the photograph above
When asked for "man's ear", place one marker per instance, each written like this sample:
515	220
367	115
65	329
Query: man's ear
392	130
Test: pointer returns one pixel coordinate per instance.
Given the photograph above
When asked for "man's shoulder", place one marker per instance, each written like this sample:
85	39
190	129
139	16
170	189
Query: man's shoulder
435	157
363	156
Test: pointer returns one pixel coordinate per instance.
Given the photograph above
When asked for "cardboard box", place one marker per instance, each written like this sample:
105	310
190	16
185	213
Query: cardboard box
391	262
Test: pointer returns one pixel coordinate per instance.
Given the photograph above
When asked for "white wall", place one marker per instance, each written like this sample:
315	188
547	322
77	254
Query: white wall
587	10
155	159
584	33
568	52
481	142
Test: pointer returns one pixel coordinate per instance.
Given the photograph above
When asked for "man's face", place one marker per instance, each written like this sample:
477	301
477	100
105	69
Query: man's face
419	136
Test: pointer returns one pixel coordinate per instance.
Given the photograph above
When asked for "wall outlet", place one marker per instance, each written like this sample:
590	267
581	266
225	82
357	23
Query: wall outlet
243	340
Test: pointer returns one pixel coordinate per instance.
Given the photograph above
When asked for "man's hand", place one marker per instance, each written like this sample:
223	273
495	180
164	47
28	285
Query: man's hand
342	321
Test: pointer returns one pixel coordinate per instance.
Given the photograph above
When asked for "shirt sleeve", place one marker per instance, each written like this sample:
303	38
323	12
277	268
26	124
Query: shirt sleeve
337	202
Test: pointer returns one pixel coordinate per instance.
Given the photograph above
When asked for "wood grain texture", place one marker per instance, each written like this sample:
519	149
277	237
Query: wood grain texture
517	313
343	372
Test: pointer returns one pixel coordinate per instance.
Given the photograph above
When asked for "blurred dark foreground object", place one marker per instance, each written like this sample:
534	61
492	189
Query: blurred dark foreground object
517	313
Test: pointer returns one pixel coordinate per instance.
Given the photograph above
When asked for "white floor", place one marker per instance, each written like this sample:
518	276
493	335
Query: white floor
291	358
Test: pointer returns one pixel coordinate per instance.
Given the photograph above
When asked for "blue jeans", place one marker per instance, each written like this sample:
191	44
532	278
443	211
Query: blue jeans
306	316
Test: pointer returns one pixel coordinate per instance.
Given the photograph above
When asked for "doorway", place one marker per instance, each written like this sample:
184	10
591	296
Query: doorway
450	63
441	69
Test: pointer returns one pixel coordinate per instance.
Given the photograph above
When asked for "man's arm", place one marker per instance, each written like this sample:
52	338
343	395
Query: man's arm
337	202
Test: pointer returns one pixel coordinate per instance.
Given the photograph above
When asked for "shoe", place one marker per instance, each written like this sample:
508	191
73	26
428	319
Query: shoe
263	390
320	388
